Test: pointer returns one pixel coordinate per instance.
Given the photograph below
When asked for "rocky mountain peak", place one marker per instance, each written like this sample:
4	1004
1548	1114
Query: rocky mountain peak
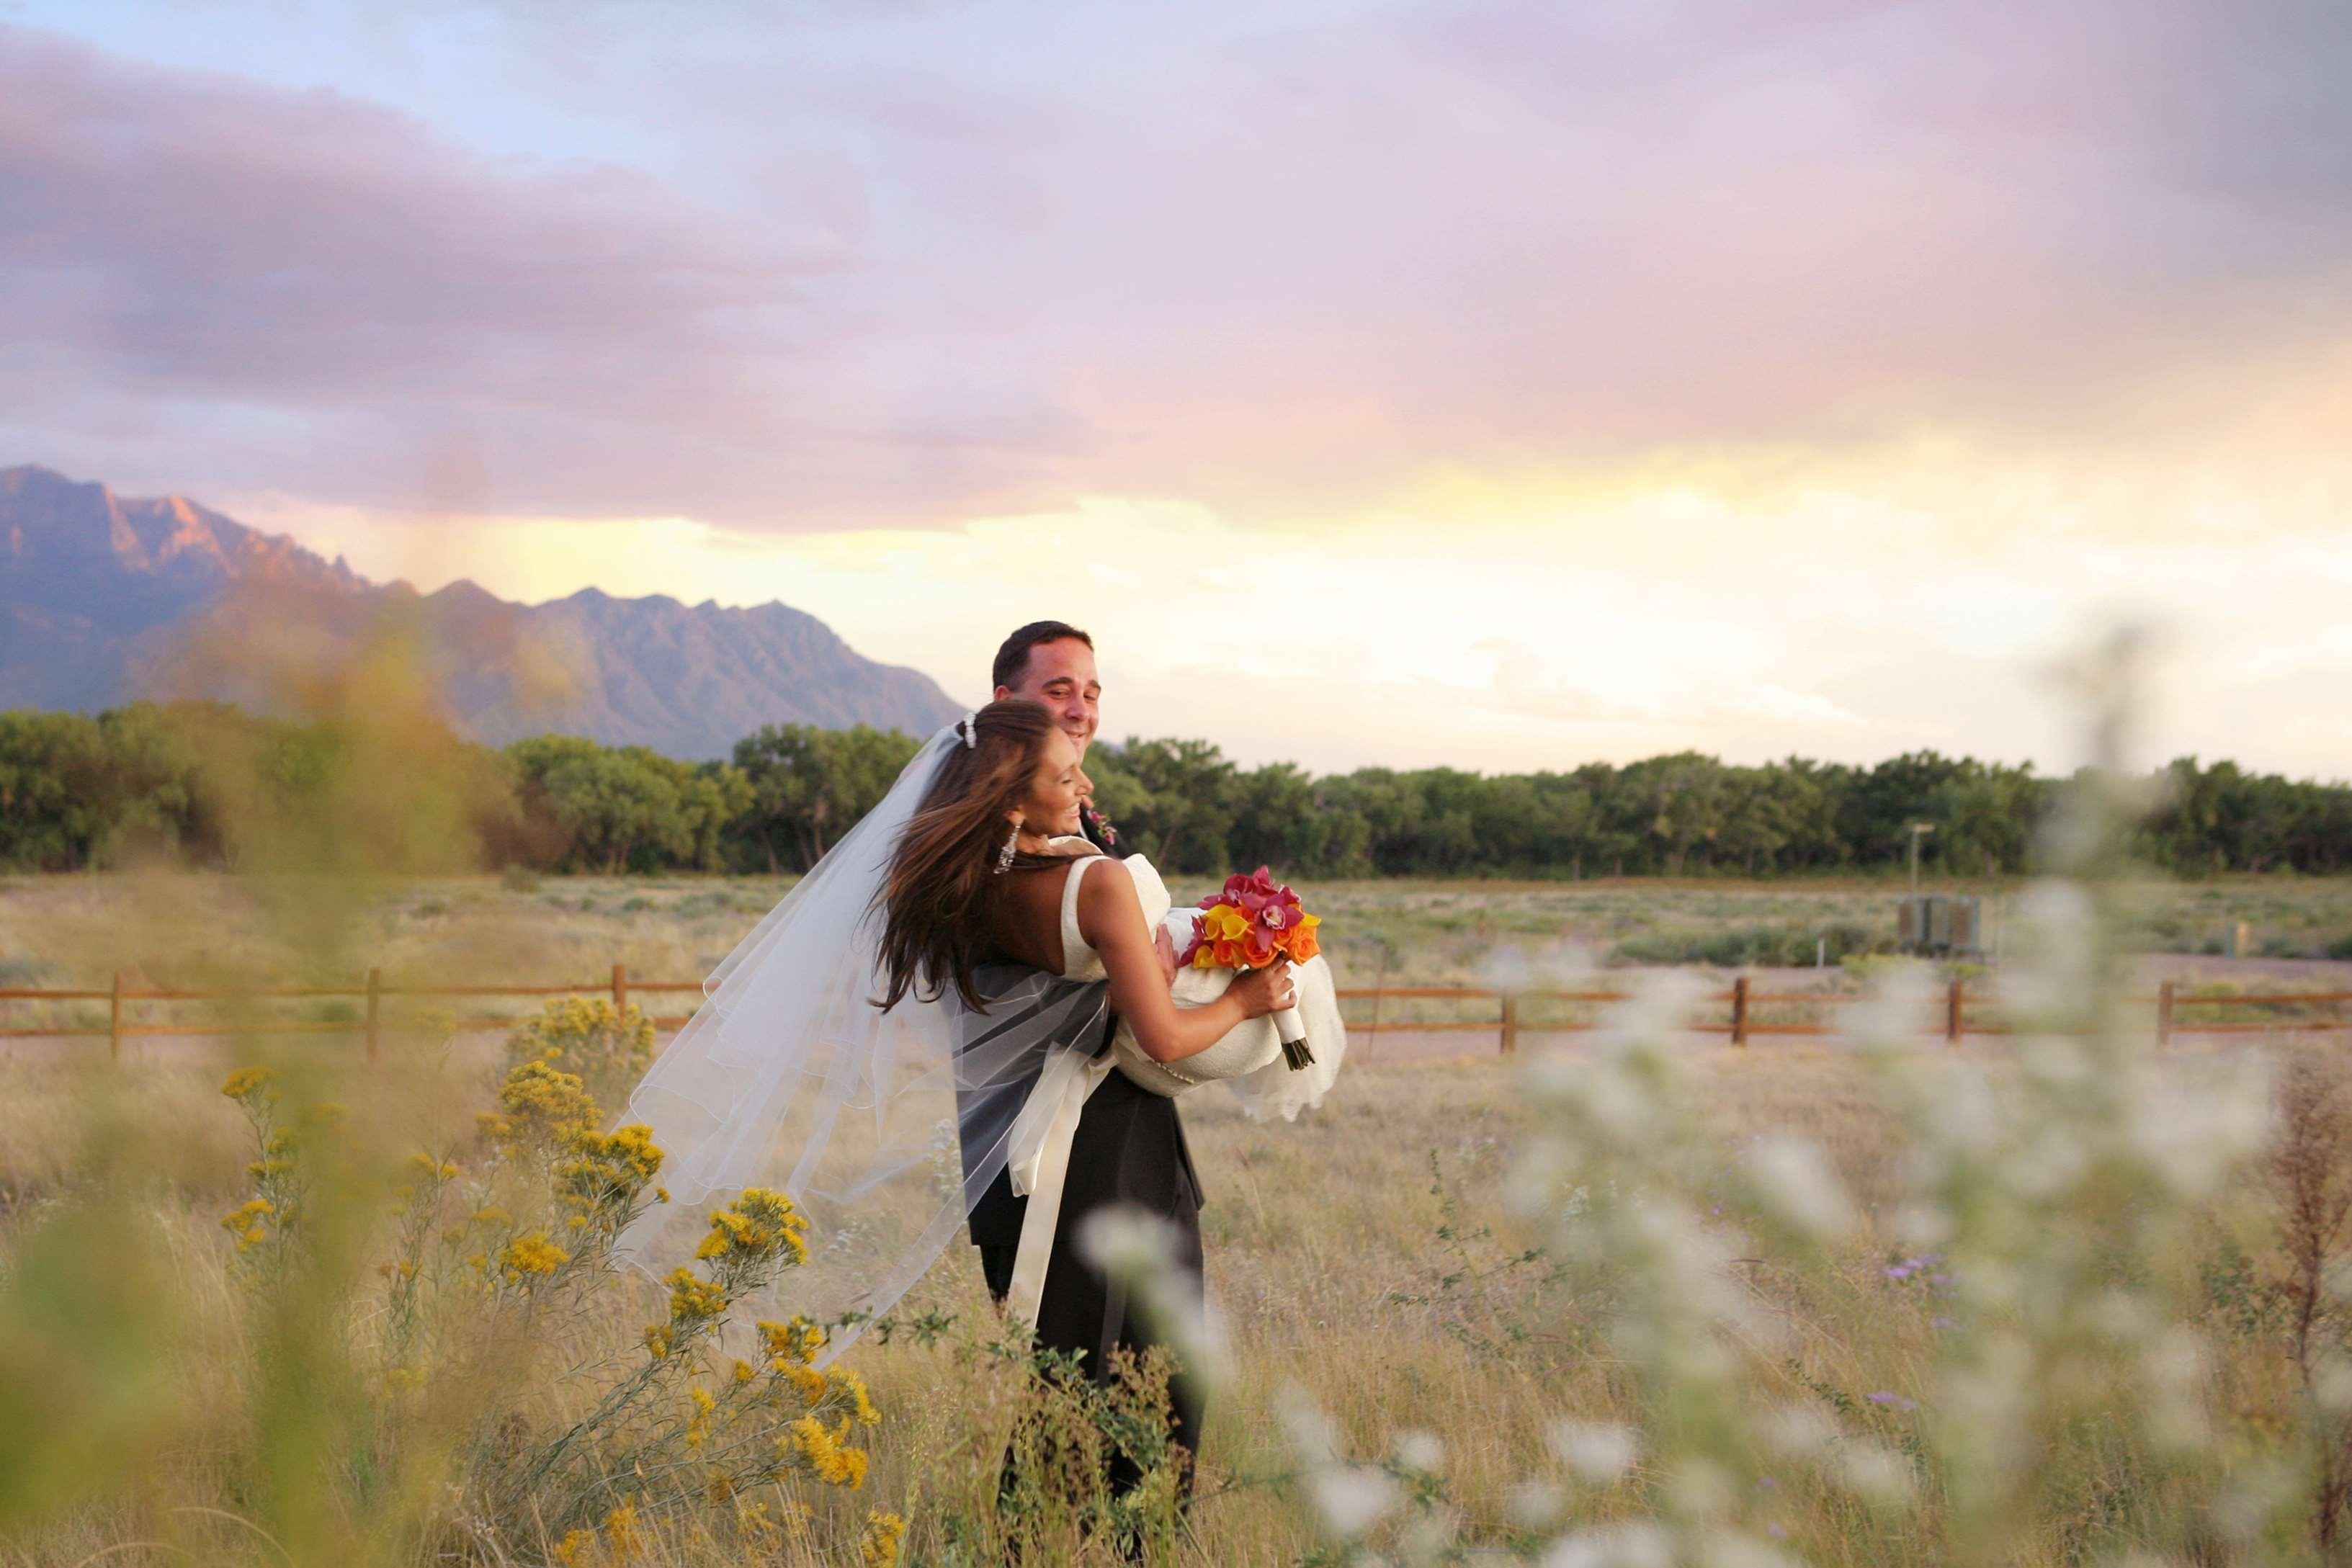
99	590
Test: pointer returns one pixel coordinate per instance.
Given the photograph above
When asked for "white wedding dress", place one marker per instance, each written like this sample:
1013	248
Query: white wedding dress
1249	1060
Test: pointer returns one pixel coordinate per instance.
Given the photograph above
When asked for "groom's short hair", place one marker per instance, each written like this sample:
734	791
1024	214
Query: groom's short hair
1014	657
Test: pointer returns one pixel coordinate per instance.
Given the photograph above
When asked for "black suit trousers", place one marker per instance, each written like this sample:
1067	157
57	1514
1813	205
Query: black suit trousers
1129	1151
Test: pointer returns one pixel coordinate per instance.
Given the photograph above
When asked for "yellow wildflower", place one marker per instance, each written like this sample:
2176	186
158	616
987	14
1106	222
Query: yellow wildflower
247	1081
533	1254
608	1169
864	1402
807	1379
760	1223
694	1300
541	1107
698	1425
661	1339
572	1552
878	1545
828	1454
798	1340
621	1532
745	1372
248	1222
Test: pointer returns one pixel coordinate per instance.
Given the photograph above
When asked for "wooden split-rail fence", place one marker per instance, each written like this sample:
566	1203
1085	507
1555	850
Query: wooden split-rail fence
370	1022
1739	1006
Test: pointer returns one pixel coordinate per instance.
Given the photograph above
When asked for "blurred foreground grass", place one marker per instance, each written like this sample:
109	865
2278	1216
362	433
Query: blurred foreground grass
1380	1263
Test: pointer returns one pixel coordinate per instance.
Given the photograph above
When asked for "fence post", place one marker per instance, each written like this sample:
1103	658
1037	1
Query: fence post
1952	1013
375	1009
1510	1024
1740	1012
2164	1014
620	988
114	1022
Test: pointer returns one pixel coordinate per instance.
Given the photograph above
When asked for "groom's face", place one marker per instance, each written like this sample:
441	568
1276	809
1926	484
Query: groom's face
1060	677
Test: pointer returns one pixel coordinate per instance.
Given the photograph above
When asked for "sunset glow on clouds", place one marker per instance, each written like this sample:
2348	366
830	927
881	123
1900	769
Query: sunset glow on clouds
1562	381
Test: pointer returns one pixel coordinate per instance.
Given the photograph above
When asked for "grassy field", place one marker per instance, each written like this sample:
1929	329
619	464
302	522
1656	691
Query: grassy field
167	929
2044	1303
1369	1259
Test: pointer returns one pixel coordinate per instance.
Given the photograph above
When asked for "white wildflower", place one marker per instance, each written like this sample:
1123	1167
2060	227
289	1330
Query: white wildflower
1598	1452
1872	1471
2331	1382
1534	1505
1798	1187
1421	1450
1351	1498
1799	1431
1731	1549
1612	1546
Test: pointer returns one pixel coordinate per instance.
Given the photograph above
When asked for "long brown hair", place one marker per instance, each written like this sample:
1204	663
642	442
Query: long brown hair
943	886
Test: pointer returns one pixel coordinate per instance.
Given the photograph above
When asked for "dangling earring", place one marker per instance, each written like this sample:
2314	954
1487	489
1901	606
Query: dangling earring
1004	856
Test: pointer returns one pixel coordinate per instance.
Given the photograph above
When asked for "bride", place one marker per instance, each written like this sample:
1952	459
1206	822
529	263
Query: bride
928	1010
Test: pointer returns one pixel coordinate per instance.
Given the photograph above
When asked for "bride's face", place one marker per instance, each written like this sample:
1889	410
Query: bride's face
1055	789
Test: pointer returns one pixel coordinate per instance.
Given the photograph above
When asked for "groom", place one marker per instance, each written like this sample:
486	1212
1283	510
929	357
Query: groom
1052	663
1130	1148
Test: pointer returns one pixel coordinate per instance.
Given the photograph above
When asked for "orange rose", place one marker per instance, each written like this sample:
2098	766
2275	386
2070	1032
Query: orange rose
1303	944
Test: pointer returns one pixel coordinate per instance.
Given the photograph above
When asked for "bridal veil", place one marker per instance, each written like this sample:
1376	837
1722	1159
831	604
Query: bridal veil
885	1128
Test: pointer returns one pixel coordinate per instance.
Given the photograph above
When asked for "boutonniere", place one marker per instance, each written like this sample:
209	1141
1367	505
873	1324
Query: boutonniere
1102	826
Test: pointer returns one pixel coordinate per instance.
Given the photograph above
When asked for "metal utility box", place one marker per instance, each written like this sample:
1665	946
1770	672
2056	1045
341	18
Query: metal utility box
1939	925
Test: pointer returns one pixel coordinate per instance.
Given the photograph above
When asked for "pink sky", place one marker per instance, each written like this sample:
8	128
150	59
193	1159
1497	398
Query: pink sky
1568	381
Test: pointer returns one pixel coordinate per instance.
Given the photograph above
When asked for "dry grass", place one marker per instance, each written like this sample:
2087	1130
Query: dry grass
1323	1237
170	930
1322	1243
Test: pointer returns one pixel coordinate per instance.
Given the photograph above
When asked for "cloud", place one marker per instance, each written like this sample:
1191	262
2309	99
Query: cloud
849	265
207	276
1822	625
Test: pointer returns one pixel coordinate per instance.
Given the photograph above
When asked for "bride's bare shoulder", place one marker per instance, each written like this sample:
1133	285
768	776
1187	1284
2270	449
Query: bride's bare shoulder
1107	886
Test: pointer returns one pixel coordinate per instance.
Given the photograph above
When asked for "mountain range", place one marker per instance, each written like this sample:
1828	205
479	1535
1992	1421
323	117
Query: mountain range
104	599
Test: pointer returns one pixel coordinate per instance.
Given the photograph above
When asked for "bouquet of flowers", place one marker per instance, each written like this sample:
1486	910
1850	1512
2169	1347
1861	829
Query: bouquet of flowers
1253	923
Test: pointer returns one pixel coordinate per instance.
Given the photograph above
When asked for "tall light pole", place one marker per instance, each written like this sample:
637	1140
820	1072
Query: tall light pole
1918	830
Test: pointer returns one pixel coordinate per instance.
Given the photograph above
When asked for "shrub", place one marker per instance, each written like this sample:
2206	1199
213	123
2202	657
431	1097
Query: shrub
1784	946
494	1264
607	1049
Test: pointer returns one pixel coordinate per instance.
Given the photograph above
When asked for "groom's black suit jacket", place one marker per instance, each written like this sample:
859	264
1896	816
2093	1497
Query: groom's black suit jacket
1129	1147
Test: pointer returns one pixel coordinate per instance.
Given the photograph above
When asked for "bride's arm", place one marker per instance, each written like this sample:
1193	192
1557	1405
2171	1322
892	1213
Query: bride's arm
1111	920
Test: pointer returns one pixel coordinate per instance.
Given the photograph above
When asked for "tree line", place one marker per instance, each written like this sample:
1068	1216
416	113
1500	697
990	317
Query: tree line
209	785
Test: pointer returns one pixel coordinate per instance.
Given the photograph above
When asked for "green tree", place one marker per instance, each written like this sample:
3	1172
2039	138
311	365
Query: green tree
805	787
1187	807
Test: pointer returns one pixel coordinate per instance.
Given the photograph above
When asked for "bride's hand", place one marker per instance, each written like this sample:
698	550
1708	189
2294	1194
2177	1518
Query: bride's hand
1165	945
1264	991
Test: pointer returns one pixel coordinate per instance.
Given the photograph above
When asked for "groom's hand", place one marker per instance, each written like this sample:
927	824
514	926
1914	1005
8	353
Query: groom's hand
1165	945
